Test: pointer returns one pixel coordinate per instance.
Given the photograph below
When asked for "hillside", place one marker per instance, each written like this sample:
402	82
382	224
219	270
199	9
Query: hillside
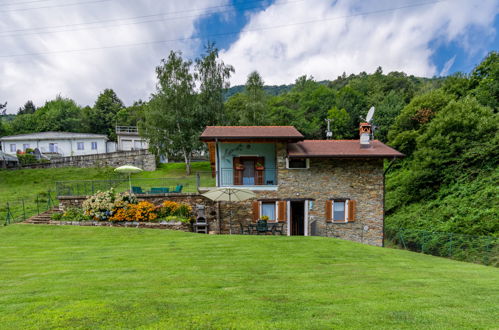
83	277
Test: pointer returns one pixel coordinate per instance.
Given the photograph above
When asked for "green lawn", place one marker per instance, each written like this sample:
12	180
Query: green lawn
88	277
17	185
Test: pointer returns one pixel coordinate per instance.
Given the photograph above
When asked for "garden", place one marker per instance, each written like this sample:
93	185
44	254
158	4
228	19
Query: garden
112	206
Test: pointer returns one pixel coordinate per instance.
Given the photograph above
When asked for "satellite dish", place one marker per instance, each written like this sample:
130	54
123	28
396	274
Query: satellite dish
370	115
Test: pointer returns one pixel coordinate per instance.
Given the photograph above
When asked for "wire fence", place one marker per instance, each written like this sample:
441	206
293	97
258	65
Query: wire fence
19	210
187	184
476	249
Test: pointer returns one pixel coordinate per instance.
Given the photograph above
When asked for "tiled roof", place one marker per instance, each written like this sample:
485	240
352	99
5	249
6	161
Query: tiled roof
340	149
53	136
251	132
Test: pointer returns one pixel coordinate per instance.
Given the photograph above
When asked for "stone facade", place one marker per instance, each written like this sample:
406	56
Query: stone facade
360	180
140	158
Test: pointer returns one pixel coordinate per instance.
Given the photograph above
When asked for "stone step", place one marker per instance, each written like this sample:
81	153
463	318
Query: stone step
42	218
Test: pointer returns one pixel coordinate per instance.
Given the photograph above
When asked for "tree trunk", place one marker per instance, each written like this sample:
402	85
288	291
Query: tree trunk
187	158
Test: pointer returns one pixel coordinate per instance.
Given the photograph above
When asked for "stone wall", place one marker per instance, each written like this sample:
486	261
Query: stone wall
211	207
140	158
360	180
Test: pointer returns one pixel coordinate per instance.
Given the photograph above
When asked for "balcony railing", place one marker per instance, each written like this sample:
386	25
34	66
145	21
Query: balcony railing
127	129
231	177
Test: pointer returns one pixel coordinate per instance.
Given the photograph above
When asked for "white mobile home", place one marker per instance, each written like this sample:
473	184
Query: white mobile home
61	143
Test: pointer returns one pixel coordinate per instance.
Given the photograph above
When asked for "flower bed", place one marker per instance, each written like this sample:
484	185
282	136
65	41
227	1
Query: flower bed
109	206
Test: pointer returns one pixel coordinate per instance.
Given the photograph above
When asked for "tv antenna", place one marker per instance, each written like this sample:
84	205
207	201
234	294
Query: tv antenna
369	120
329	134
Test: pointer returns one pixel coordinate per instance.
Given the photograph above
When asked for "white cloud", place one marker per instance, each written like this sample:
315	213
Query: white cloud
396	40
83	75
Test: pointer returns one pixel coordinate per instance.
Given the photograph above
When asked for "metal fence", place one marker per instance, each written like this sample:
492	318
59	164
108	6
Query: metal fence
18	210
477	249
188	184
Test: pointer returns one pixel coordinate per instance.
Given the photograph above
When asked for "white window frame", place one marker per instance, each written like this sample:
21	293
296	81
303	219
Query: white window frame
78	144
346	201
307	166
276	211
92	144
13	147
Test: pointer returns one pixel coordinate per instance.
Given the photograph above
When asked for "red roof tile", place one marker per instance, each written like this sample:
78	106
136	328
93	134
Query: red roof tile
251	132
340	149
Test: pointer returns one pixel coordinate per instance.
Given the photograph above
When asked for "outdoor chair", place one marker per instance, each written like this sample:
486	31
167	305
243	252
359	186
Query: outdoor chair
244	230
178	188
262	227
137	190
159	190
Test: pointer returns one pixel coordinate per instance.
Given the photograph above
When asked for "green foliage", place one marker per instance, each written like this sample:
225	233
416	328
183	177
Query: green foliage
26	159
414	118
172	116
213	76
340	122
71	214
28	108
484	81
101	118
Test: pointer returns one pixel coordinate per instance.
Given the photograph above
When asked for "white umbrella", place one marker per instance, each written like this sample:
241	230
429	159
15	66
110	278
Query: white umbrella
128	169
229	195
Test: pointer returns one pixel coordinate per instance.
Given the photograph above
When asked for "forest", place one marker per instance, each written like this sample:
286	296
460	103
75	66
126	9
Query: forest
447	127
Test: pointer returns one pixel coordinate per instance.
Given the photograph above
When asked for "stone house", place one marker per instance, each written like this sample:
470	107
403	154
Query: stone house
313	187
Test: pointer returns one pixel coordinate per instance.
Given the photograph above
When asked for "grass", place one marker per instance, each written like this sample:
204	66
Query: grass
28	184
89	277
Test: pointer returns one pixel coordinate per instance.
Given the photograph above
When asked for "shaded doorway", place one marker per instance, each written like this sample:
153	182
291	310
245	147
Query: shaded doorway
297	209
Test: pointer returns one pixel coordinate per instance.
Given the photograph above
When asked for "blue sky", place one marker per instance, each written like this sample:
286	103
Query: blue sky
76	49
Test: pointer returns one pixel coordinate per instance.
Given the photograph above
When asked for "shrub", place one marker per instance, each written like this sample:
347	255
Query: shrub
71	214
104	204
143	211
173	211
26	159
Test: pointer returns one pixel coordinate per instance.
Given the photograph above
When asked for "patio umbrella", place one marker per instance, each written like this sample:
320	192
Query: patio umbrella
229	195
128	169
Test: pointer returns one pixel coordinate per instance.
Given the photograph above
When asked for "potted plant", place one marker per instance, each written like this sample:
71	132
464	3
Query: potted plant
259	166
265	218
239	167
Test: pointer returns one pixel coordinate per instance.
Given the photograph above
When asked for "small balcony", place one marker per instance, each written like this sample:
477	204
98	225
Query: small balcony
248	177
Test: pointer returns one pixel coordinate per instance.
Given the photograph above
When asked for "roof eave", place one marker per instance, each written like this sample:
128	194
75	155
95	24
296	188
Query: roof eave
347	156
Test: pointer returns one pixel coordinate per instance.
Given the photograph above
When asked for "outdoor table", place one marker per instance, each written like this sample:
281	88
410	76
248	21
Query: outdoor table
271	227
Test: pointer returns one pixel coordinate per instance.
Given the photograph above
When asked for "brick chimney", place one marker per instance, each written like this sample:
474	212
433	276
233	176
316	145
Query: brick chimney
365	135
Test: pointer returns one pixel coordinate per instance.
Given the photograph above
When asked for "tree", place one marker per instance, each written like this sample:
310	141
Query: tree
340	122
172	122
28	108
213	76
101	118
255	112
485	81
4	107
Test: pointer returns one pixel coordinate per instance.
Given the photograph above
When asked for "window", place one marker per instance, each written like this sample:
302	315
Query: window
52	147
25	146
298	163
339	210
94	145
12	148
268	209
80	146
